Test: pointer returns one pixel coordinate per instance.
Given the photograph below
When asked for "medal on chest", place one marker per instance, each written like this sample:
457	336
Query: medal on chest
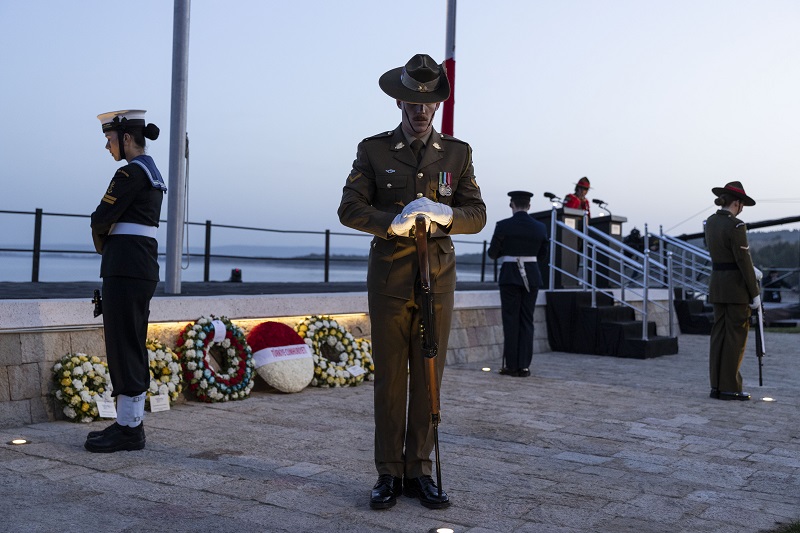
445	183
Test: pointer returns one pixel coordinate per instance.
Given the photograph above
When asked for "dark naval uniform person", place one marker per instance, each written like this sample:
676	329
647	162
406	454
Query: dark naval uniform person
520	244
124	231
397	175
733	290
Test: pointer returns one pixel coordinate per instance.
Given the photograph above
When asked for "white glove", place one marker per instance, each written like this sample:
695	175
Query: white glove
440	213
402	224
759	274
756	303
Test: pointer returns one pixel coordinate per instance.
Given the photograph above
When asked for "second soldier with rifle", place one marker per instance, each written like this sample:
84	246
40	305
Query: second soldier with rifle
397	175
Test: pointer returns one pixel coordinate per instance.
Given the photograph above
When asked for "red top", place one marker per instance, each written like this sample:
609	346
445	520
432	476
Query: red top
574	202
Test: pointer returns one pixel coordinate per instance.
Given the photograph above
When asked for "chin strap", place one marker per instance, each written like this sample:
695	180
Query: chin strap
412	124
121	144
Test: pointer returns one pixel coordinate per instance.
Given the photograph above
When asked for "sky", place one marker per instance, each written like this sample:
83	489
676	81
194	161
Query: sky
656	102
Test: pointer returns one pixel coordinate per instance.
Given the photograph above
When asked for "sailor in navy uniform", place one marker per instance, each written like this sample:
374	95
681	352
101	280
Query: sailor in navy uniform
520	243
124	231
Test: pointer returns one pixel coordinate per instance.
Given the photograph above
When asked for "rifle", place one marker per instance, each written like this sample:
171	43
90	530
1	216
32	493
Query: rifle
760	345
430	347
98	303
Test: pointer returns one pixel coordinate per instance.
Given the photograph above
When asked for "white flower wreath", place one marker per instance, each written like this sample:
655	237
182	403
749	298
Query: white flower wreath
365	347
338	361
80	380
194	343
165	370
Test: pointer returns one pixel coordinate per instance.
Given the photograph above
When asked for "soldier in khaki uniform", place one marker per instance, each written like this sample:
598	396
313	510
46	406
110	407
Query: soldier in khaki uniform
396	175
733	290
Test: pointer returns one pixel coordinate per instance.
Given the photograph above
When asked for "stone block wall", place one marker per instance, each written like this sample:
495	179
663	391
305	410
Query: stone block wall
27	354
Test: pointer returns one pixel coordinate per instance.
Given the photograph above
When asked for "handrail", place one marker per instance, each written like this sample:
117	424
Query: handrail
325	258
594	247
682	245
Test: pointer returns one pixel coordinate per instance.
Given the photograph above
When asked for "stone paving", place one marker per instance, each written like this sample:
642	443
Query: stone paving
588	443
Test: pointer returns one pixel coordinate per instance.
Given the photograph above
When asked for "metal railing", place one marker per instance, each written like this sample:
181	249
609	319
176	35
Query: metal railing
691	265
606	264
327	258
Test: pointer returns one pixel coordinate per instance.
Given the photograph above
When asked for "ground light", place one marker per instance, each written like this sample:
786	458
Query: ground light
767	399
441	530
19	442
486	369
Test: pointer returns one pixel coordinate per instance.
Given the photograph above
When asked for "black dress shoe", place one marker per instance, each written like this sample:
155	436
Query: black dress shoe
523	373
116	438
385	492
714	394
743	396
426	490
507	372
109	429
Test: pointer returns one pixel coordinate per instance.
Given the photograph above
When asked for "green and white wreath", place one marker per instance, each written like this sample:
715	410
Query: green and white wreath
80	381
338	360
165	370
234	380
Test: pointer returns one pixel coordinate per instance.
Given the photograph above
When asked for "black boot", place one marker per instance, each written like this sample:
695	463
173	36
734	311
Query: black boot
95	434
116	438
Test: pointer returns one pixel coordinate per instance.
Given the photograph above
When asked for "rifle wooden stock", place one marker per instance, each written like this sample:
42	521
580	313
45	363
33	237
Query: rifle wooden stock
430	346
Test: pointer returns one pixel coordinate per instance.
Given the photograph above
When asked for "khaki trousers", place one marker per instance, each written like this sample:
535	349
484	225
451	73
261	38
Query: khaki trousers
403	428
728	339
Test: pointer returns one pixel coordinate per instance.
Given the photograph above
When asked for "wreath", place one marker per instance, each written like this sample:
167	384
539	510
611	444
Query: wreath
234	380
338	361
79	381
165	370
365	347
281	357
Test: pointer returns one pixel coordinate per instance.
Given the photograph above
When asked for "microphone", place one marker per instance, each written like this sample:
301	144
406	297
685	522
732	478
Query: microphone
549	195
601	203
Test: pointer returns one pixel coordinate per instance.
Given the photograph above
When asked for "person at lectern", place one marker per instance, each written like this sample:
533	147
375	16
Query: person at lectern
577	199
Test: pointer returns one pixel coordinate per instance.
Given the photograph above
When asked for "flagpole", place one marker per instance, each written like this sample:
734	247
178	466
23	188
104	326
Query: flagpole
176	197
450	65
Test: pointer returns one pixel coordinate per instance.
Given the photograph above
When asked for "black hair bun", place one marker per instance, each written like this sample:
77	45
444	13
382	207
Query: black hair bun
717	201
151	131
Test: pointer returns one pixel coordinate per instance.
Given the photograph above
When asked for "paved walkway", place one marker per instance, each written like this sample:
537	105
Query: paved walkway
588	443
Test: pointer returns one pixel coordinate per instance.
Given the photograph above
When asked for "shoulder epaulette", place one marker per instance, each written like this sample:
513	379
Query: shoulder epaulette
451	138
379	135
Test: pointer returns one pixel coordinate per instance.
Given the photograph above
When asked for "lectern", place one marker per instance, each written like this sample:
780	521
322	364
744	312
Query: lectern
565	259
608	269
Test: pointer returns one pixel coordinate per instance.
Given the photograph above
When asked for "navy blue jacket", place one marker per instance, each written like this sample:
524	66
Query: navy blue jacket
520	235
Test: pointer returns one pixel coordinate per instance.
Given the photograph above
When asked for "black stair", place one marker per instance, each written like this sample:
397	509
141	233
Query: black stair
574	326
694	316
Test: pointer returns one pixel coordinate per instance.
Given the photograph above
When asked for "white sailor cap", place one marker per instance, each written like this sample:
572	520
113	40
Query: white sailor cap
120	120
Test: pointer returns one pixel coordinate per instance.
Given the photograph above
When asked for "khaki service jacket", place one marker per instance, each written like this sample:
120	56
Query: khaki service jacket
384	179
733	280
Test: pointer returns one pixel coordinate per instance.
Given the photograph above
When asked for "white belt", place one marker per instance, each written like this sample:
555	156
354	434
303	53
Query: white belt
514	258
130	228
